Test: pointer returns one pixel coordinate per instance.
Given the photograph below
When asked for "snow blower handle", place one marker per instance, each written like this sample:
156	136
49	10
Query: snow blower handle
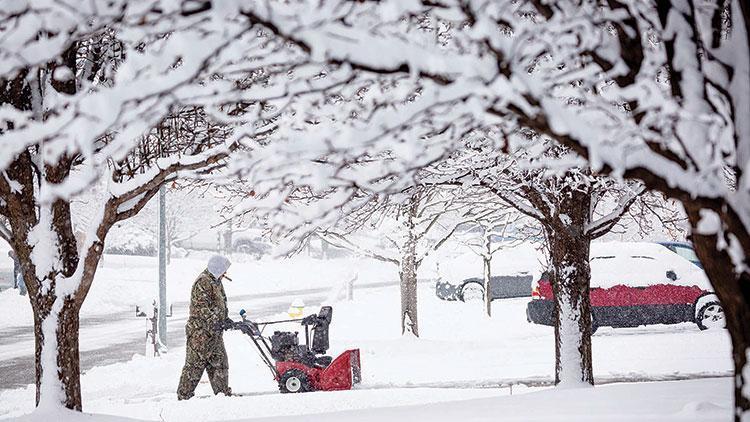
309	320
246	326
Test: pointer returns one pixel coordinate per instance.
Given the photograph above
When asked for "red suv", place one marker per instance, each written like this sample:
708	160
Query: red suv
638	283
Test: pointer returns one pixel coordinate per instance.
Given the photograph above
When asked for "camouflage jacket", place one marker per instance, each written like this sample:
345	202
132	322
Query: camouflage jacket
208	304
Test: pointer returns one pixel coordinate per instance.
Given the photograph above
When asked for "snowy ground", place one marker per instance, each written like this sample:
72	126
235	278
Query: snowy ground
460	350
695	400
125	281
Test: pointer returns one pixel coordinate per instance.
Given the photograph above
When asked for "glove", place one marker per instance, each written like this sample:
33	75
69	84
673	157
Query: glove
224	325
228	324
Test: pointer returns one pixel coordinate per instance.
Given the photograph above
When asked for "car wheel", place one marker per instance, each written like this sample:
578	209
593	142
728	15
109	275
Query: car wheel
294	381
710	316
471	292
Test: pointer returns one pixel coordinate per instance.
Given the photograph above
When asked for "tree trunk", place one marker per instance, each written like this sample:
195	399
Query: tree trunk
409	321
56	298
408	273
571	277
324	250
733	291
57	354
486	261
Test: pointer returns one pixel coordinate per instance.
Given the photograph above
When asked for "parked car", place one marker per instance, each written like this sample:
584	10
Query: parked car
638	283
501	287
248	244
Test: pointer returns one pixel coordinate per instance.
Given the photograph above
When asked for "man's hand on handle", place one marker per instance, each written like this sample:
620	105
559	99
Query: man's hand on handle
224	325
247	327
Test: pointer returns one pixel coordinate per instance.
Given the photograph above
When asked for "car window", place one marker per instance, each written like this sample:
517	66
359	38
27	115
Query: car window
687	253
643	257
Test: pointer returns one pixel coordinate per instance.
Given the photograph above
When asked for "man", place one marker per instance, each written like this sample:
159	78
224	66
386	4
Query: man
204	329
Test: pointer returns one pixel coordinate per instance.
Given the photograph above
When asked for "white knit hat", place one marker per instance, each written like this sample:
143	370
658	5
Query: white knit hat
218	265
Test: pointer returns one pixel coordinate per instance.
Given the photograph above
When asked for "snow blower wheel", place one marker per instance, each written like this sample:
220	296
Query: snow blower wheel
294	381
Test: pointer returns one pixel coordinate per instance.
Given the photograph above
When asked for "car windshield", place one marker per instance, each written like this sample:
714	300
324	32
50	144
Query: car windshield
687	253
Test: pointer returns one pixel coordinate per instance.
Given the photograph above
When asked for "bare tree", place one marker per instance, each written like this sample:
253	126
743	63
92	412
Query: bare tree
497	226
188	212
570	207
46	166
58	278
415	224
564	205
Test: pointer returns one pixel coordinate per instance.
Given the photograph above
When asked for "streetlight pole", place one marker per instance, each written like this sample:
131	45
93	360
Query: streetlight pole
163	265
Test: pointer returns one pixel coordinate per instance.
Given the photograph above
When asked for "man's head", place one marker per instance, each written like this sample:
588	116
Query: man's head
218	265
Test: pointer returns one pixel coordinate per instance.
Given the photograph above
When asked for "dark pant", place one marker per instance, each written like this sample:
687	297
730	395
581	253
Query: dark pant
205	352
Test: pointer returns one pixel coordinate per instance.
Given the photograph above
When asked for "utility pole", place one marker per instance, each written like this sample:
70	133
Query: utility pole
163	265
229	236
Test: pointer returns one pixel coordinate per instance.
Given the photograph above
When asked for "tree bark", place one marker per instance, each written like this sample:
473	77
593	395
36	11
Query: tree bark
63	350
733	290
408	272
409	319
486	262
571	277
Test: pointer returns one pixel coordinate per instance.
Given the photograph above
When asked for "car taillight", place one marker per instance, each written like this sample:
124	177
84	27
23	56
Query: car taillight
535	290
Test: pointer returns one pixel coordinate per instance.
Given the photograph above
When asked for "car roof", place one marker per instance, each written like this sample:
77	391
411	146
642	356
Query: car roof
640	264
627	249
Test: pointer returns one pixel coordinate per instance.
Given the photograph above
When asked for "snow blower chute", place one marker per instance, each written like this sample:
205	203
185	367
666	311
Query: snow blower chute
303	367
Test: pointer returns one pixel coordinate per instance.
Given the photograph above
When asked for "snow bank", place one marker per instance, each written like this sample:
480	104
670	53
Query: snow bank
674	401
16	309
66	415
695	400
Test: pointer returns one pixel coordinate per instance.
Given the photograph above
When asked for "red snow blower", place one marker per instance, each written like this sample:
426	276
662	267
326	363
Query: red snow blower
303	367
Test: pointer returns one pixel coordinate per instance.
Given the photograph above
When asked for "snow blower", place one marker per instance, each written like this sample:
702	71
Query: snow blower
303	367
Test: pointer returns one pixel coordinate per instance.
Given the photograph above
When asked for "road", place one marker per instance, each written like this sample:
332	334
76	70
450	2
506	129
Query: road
117	337
6	279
